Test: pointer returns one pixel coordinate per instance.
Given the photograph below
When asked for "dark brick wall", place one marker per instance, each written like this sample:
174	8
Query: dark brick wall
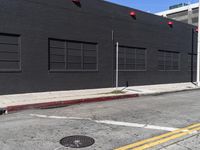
94	21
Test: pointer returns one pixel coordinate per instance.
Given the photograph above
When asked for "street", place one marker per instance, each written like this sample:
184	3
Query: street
111	124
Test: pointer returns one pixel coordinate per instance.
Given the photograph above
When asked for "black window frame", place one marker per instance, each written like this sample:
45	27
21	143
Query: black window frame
19	69
135	59
165	52
66	54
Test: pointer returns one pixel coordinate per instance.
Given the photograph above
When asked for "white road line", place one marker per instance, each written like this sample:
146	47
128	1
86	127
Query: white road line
146	126
161	128
59	148
58	117
39	116
110	122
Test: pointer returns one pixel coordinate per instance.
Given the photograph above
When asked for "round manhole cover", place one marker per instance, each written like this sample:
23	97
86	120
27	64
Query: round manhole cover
77	141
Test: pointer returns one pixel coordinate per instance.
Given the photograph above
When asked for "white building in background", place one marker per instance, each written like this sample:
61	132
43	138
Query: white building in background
182	12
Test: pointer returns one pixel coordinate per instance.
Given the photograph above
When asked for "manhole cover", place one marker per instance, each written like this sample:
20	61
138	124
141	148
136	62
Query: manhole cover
77	141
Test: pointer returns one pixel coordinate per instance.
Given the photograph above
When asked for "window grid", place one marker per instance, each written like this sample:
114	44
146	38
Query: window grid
195	10
10	52
168	61
74	53
132	58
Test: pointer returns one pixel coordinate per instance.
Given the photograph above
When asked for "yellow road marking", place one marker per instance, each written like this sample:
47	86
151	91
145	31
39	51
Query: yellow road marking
141	145
157	137
164	140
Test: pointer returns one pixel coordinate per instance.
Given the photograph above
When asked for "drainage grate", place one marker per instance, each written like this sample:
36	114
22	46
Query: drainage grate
77	141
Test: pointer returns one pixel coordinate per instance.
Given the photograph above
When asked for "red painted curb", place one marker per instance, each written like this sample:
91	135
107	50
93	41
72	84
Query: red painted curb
67	102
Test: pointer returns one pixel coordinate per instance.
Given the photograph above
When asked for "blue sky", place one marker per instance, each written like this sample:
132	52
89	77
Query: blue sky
151	5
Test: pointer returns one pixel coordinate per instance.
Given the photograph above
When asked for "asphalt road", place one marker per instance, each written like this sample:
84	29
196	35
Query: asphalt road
112	124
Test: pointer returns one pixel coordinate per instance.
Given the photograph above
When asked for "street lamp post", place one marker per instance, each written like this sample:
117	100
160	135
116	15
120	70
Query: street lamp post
198	51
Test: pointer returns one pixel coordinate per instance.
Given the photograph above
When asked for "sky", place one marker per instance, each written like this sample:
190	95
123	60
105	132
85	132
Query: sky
151	5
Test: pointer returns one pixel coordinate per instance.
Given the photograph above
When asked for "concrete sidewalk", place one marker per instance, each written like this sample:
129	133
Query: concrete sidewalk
64	98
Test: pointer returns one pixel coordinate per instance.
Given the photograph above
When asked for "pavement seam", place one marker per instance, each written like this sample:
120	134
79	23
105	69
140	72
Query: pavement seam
184	146
183	139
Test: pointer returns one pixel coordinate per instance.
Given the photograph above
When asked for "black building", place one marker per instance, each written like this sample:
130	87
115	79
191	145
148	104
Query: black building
48	45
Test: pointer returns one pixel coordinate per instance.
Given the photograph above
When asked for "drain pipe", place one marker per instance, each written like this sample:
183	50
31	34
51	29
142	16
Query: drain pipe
127	85
198	52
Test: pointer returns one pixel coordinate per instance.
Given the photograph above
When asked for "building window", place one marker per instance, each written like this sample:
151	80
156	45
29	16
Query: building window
195	20
67	55
9	53
194	62
178	14
195	10
184	21
168	60
132	58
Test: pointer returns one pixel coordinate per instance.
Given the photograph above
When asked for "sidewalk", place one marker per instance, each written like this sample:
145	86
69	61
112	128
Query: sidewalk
64	98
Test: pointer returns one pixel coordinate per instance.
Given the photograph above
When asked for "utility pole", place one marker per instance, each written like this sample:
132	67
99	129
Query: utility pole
198	51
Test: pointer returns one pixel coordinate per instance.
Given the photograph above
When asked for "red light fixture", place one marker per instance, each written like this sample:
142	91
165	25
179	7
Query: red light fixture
132	14
76	1
170	23
197	30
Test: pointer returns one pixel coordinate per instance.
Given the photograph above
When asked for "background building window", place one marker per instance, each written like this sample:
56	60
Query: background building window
195	20
178	14
168	60
132	58
195	10
72	55
9	52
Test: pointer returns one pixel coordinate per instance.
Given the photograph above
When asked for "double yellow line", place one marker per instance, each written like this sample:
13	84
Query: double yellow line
151	142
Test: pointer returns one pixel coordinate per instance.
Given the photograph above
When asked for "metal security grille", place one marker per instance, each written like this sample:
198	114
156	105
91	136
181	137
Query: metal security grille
72	55
168	60
9	53
132	58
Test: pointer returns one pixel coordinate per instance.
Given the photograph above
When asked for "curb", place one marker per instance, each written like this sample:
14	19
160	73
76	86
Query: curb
55	104
169	92
64	103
